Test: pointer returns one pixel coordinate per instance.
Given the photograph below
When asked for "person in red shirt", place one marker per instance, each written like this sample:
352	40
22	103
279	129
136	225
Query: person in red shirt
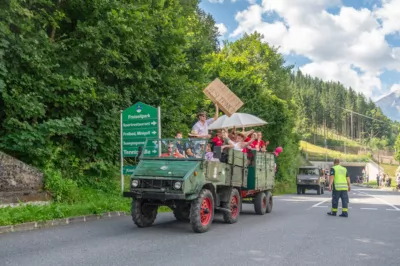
258	144
218	140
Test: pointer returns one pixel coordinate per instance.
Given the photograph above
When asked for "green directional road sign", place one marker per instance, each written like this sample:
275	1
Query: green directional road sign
140	121
129	169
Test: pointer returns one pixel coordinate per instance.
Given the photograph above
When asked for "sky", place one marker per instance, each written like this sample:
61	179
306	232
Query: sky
355	42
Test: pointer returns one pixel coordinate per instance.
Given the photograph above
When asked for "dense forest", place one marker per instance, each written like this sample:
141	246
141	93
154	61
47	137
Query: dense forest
68	67
331	106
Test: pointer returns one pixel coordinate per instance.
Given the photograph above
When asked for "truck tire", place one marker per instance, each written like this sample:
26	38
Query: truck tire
202	211
143	215
182	213
234	205
318	190
270	202
260	203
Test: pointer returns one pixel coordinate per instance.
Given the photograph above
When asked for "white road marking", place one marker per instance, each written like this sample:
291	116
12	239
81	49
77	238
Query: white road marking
375	209
392	210
384	201
316	205
329	207
294	200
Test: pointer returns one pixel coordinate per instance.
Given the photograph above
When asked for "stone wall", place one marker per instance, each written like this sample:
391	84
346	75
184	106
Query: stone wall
19	181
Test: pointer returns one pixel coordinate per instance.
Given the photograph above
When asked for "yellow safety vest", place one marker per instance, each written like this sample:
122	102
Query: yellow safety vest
340	178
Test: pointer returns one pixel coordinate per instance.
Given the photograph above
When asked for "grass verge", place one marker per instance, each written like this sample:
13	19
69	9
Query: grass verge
389	169
282	188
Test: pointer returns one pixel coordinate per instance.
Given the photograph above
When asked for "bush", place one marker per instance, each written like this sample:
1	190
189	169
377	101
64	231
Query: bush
61	189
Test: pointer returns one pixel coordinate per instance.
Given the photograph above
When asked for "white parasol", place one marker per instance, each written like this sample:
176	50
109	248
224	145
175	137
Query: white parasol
237	120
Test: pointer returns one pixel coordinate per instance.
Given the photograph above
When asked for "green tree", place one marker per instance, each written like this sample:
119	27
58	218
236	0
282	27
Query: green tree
68	67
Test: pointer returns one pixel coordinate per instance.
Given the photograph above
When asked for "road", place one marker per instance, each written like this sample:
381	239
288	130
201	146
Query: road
297	232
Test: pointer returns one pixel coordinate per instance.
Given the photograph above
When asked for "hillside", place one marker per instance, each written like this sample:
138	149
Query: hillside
317	153
340	110
333	139
390	105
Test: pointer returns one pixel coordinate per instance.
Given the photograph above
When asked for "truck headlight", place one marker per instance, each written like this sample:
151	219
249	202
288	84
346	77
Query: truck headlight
178	185
135	183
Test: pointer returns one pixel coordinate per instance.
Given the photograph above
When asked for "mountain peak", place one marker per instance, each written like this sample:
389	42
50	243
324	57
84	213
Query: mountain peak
390	104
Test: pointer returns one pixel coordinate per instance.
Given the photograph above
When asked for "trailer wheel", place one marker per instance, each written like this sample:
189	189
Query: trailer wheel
270	202
143	215
260	203
182	213
202	211
235	207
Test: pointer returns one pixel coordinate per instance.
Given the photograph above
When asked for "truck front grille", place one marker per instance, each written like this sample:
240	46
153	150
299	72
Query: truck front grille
156	183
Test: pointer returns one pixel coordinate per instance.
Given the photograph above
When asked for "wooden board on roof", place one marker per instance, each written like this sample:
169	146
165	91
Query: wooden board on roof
221	95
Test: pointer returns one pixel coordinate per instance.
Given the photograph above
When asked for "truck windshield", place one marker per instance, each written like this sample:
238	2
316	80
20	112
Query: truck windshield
308	171
175	149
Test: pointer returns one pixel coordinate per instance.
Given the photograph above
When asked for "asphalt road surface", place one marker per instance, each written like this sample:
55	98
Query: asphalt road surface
297	232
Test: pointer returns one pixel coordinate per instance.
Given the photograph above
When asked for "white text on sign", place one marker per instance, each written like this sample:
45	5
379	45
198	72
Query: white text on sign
139	133
141	116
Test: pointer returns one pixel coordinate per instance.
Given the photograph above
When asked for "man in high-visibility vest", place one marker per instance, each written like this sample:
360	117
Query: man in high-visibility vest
341	186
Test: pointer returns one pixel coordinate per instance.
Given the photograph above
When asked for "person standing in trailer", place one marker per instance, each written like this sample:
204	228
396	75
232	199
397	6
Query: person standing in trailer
200	129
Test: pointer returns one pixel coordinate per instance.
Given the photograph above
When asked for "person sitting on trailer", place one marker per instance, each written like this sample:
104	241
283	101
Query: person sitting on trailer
239	144
218	140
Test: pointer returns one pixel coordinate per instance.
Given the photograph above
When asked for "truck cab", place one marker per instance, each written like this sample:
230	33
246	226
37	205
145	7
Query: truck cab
311	178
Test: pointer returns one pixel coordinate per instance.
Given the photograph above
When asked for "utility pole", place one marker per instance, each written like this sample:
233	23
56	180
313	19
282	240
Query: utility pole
351	125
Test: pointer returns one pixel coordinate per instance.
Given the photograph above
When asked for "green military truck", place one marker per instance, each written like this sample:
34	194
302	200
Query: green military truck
312	178
184	178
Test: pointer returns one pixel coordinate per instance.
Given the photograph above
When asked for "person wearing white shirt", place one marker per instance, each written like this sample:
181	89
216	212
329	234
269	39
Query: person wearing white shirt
200	129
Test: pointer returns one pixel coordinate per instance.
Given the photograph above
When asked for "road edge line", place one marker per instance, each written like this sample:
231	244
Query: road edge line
29	226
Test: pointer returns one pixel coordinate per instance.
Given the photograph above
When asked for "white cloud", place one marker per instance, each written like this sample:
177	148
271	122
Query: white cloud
334	43
220	1
395	87
390	16
221	28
